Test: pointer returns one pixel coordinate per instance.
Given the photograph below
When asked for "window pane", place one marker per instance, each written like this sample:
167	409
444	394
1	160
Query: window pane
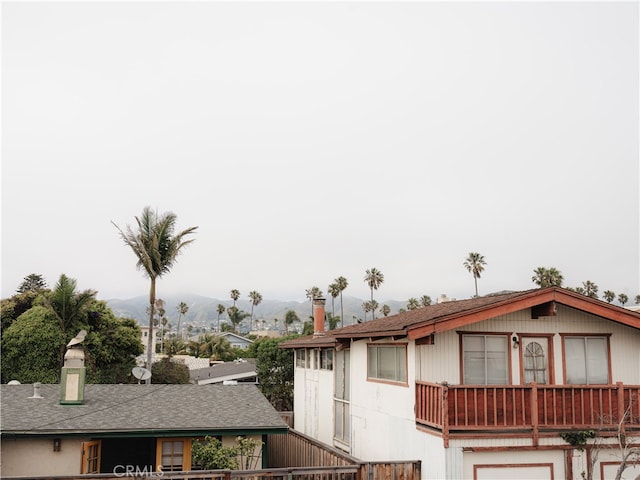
574	351
386	363
485	359
338	420
473	359
347	375
496	360
597	360
373	362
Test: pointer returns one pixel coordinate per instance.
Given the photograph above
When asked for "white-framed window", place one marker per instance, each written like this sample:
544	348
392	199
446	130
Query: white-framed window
535	356
326	359
301	358
485	359
586	359
341	403
316	359
387	362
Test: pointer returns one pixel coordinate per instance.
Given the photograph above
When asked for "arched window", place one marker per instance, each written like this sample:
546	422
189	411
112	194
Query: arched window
535	363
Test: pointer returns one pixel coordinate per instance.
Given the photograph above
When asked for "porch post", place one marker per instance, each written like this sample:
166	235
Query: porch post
534	413
445	414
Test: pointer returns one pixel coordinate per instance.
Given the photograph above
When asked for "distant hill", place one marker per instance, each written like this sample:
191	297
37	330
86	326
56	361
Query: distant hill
203	310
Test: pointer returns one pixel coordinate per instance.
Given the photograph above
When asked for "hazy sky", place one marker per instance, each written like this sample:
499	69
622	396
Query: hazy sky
313	140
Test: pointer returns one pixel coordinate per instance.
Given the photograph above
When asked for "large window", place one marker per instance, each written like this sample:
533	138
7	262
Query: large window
387	362
301	358
341	404
586	360
174	454
484	359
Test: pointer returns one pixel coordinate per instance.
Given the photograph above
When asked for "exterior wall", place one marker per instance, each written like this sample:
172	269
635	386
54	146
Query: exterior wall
383	422
18	457
441	362
313	403
532	465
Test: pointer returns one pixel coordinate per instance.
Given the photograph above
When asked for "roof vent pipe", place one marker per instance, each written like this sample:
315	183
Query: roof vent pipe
36	390
318	317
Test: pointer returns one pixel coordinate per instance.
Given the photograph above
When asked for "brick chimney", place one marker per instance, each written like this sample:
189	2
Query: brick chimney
318	317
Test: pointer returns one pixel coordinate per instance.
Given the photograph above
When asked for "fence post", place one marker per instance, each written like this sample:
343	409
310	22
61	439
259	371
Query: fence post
534	413
445	414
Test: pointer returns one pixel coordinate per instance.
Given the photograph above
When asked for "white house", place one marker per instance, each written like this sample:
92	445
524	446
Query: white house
532	385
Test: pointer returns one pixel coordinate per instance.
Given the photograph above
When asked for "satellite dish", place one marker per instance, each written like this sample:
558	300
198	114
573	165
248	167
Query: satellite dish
141	373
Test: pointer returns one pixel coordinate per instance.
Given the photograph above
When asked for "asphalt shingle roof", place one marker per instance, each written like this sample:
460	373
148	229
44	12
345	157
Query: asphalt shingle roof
138	408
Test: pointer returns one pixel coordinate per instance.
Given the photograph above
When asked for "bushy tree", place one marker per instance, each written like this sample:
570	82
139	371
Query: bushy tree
11	308
210	454
274	366
31	348
32	283
166	371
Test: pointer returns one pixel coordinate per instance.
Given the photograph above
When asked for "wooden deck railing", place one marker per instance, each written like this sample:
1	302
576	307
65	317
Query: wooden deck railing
532	407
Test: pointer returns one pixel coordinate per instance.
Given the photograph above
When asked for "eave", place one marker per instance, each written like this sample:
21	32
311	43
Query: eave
145	433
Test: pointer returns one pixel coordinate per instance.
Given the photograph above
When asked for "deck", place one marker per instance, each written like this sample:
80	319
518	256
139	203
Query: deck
464	409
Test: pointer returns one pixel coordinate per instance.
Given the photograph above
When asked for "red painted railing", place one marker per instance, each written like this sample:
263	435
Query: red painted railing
467	408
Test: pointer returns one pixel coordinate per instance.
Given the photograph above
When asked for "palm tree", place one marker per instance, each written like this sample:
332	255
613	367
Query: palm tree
608	295
157	248
183	308
547	277
622	298
342	284
334	291
475	265
256	298
590	289
220	309
236	316
366	307
215	348
374	278
637	300
413	303
385	310
235	295
425	300
313	293
289	318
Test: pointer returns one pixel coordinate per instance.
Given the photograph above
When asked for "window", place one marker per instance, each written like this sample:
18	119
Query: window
301	358
586	360
174	454
536	367
91	457
341	404
484	359
326	359
387	362
316	359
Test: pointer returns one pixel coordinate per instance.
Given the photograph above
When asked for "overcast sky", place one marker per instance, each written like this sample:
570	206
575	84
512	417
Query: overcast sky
313	140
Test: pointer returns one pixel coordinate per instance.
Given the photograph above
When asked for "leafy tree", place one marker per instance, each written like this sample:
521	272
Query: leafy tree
210	454
623	298
31	347
183	308
256	299
608	295
235	295
11	308
156	247
220	309
217	348
385	310
289	318
475	265
374	278
342	285
332	320
412	303
166	371
307	328
275	368
547	277
32	283
425	300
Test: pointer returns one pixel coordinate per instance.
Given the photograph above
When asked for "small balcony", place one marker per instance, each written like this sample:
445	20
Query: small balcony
457	410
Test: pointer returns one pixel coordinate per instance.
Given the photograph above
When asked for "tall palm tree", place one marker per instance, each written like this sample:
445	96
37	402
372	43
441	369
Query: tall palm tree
289	318
590	289
333	290
425	300
256	298
183	308
475	265
374	278
236	316
156	246
313	293
220	309
547	277
366	308
385	310
412	303
342	285
609	296
623	298
235	295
